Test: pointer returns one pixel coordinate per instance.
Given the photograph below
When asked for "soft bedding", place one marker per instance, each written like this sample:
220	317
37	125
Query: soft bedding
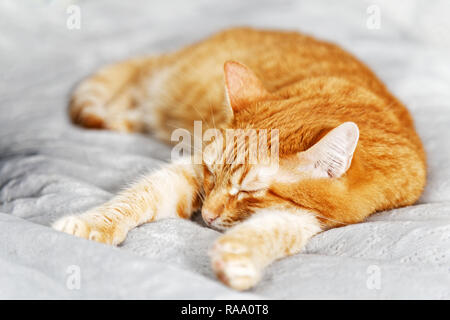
49	168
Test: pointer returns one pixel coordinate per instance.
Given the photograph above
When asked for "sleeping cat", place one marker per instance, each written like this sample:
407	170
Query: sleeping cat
346	146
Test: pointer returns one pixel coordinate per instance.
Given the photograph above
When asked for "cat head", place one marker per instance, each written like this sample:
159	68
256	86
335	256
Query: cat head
236	188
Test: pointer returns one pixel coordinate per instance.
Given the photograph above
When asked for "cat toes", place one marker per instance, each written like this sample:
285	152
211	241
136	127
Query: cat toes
72	225
80	227
233	265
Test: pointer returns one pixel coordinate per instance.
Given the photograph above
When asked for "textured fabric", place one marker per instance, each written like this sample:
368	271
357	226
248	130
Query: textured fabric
49	168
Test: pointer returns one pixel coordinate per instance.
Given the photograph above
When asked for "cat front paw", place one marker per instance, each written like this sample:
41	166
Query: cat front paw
81	227
233	264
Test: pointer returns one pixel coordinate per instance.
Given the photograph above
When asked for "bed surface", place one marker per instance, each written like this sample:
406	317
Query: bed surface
49	168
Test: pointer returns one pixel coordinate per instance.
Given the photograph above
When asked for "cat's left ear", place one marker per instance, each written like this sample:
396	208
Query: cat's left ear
242	85
332	155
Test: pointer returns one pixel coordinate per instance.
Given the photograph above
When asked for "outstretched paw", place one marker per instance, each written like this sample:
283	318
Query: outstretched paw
81	227
232	262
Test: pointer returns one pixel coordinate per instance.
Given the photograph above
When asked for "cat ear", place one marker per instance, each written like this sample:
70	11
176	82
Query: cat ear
332	155
242	85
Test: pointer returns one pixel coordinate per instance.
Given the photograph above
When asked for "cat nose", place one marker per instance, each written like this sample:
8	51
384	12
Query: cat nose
209	216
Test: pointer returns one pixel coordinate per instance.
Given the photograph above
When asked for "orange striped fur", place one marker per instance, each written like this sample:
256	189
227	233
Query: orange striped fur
347	146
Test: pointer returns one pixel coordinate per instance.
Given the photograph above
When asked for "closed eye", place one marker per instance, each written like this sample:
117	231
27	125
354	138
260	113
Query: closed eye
241	192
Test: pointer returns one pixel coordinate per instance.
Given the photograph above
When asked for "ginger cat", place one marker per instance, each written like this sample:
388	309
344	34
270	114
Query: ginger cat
346	146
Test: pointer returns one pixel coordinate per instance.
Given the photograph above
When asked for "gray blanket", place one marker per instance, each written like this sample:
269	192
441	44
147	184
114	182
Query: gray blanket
49	168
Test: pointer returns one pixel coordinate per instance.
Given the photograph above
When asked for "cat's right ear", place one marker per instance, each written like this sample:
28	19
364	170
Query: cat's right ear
332	156
242	85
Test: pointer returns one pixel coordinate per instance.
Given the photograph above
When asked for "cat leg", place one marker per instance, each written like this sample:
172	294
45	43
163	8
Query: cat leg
240	255
112	97
171	192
